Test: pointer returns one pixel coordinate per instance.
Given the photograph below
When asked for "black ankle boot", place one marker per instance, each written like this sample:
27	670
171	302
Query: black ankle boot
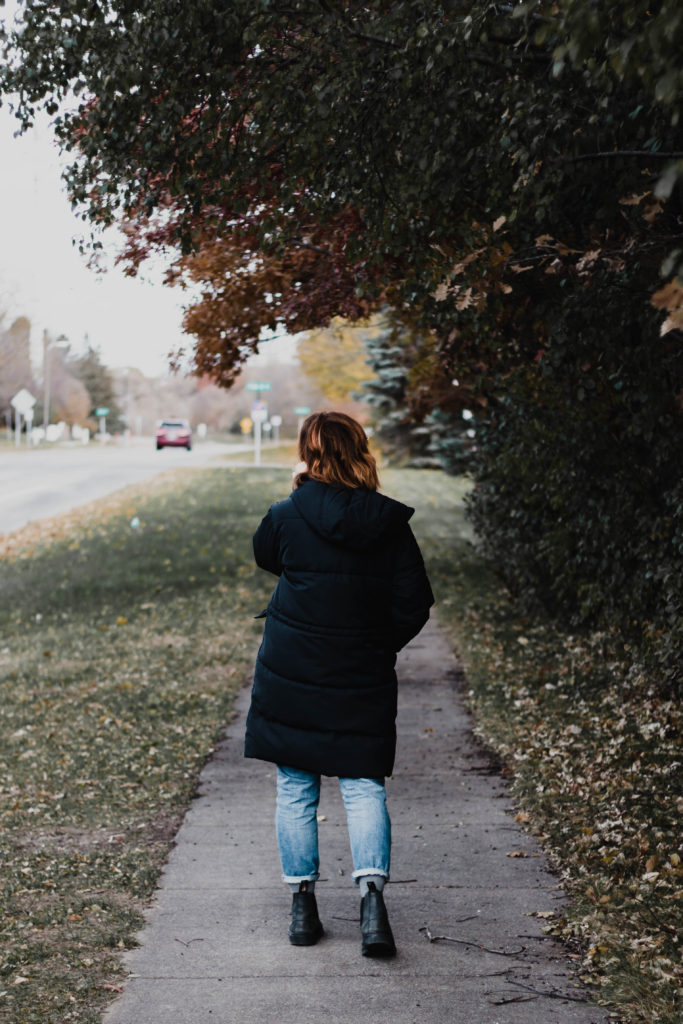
305	928
375	930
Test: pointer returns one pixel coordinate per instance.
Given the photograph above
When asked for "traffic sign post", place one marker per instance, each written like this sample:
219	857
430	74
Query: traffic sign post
102	414
302	411
22	403
276	422
259	414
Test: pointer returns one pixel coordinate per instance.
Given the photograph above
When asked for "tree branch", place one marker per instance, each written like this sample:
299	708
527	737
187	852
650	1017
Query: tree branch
644	154
300	244
469	942
550	993
354	32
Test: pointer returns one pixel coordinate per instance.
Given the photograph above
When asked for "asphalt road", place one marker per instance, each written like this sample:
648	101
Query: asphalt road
42	482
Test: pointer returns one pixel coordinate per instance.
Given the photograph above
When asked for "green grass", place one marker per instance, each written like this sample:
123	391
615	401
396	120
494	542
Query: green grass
123	639
127	627
283	454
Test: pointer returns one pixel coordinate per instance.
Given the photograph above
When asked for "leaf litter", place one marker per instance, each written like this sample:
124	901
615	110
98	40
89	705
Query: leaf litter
121	651
594	749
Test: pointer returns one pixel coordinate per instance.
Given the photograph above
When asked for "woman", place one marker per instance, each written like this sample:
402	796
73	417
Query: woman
352	592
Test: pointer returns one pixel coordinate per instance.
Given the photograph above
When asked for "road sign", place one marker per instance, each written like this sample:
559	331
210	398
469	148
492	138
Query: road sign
246	423
23	402
259	412
276	421
301	410
102	411
258	385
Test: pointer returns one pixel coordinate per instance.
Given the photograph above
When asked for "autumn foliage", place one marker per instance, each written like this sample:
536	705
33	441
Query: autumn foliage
502	181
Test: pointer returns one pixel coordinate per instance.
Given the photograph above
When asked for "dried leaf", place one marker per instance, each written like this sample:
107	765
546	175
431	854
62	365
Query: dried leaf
651	212
669	297
634	198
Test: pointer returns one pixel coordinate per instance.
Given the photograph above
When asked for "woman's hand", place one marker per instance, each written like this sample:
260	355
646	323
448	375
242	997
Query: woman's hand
299	470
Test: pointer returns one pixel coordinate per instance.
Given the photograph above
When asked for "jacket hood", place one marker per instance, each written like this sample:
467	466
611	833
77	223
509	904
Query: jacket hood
351	517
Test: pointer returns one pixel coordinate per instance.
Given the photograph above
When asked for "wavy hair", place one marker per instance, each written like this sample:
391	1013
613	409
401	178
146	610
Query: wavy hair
334	448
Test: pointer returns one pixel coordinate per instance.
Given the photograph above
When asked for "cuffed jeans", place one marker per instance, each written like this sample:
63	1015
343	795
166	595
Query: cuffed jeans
298	794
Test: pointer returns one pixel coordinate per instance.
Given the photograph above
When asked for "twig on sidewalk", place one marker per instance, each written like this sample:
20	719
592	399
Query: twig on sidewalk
189	942
470	942
511	999
551	993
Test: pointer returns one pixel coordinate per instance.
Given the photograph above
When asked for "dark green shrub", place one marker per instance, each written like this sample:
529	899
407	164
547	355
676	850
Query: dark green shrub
579	499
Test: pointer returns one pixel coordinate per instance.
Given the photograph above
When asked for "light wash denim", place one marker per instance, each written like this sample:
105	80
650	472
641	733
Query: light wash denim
298	794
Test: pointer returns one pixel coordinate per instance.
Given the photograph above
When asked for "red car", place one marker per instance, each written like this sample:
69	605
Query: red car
174	434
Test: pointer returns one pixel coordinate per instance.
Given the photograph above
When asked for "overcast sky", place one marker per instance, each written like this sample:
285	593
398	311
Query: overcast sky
43	276
132	321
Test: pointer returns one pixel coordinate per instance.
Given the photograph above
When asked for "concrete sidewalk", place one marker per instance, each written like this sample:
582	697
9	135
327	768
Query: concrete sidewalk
215	947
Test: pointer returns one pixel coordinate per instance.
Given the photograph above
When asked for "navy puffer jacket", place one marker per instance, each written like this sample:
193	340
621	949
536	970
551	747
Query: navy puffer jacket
352	591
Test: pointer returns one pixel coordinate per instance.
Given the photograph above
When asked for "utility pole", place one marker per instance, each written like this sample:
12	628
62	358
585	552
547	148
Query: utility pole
48	346
46	381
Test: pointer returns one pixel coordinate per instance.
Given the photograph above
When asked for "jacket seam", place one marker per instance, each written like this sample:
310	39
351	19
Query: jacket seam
321	728
390	682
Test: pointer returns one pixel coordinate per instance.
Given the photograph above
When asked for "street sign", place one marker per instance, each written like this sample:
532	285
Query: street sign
276	421
258	385
23	402
259	412
102	411
301	410
246	424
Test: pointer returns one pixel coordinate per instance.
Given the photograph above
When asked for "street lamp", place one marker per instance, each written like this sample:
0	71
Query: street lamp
48	346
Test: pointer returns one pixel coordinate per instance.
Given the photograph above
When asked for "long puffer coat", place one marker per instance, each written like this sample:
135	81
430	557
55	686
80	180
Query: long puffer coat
352	591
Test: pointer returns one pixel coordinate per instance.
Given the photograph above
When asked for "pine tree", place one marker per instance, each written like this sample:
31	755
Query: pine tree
98	382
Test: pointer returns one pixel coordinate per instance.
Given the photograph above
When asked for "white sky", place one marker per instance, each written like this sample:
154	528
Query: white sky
44	277
132	321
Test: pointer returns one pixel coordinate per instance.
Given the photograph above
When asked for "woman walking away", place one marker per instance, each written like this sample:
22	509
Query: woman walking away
352	592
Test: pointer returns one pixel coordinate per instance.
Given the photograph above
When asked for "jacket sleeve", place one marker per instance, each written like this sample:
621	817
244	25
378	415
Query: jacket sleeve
411	593
267	545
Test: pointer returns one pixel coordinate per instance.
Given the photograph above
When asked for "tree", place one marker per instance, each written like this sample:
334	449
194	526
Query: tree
506	178
69	398
417	407
15	361
335	358
98	383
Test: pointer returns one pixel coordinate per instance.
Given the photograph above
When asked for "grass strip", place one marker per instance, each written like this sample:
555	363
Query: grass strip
125	630
595	754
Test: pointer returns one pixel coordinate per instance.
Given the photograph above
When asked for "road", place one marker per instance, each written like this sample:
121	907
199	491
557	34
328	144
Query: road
42	482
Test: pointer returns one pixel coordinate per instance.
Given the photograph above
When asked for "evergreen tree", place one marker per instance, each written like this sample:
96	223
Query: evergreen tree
410	436
98	382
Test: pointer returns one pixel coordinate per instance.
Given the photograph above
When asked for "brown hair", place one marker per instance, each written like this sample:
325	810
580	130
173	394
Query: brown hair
335	449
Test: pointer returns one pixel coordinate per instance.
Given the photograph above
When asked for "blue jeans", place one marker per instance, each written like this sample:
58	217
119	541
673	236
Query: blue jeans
298	793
